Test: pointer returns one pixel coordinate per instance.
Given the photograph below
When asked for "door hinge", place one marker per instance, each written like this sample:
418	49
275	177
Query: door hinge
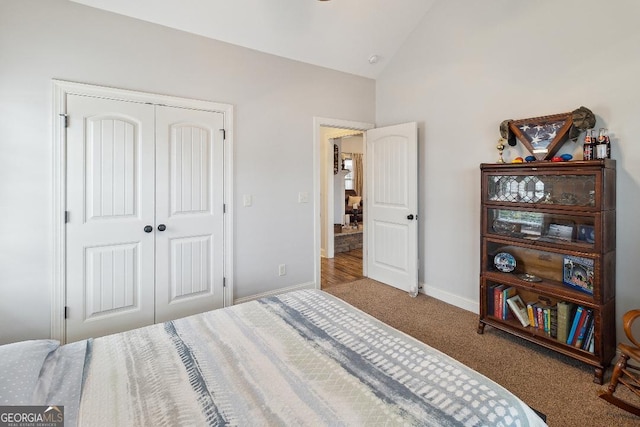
66	217
66	312
224	134
224	208
224	282
65	117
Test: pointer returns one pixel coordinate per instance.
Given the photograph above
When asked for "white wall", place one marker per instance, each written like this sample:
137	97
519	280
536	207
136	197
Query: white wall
338	186
353	144
275	101
471	64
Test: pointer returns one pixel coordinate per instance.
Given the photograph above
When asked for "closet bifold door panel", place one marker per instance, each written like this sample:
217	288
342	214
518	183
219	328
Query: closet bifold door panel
189	212
144	233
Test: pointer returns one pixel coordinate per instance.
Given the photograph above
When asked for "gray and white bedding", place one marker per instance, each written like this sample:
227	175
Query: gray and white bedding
300	358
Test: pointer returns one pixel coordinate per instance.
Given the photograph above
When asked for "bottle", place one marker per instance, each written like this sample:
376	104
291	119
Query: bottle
603	148
608	142
587	147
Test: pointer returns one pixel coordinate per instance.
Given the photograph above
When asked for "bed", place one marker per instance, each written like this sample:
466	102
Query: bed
299	358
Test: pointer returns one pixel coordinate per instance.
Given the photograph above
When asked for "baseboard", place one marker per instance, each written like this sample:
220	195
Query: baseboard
449	298
308	285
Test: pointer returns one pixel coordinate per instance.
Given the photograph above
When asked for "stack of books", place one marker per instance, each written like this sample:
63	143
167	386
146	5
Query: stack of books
497	301
543	315
569	323
577	326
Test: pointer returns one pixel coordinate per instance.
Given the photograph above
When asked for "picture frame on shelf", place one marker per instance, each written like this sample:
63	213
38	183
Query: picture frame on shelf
586	234
560	232
531	229
578	273
519	309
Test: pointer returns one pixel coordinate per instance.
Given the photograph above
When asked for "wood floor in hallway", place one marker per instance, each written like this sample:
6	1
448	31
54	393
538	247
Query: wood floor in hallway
344	267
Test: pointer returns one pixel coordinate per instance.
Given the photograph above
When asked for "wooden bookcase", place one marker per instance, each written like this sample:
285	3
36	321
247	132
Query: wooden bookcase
556	223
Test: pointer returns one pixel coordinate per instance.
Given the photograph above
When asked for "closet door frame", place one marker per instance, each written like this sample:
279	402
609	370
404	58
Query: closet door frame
61	89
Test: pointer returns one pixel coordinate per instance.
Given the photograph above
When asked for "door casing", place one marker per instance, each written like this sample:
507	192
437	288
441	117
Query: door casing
61	89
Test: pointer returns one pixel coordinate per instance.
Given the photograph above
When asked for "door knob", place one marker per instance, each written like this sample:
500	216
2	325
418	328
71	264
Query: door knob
148	229
162	227
410	216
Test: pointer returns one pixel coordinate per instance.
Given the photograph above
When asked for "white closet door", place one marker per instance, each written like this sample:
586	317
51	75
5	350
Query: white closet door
110	192
189	212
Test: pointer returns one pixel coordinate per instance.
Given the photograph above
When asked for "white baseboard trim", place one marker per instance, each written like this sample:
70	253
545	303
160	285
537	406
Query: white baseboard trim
449	298
308	285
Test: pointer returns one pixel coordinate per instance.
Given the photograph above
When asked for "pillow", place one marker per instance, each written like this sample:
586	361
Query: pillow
20	365
354	200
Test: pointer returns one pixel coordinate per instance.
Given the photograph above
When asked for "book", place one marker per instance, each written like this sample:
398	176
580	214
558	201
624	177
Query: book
553	320
589	337
546	315
530	312
497	301
564	320
574	325
490	299
518	308
507	293
584	327
583	318
540	317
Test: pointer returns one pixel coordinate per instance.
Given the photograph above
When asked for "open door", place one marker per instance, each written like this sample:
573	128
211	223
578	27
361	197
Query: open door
392	205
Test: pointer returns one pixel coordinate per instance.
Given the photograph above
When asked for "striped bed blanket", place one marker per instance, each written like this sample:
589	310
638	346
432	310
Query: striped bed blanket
300	358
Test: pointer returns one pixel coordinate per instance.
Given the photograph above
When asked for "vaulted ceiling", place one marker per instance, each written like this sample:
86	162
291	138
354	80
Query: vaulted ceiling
339	34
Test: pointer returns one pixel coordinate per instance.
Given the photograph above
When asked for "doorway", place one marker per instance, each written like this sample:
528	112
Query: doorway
330	201
390	235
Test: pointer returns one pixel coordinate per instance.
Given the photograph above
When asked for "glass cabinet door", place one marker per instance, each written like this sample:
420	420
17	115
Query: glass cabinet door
558	228
551	189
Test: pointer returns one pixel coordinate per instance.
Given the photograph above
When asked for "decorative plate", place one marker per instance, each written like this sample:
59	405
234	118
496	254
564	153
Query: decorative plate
529	278
503	227
504	262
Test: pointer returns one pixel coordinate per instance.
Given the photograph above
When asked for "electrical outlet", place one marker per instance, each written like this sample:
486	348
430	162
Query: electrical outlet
282	269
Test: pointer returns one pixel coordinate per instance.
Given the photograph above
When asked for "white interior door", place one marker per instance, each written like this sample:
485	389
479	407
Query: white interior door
392	205
110	200
189	212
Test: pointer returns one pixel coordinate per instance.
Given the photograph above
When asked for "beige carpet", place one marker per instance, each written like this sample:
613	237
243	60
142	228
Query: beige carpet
560	387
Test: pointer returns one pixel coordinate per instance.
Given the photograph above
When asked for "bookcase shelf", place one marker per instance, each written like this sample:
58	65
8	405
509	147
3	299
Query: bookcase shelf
548	242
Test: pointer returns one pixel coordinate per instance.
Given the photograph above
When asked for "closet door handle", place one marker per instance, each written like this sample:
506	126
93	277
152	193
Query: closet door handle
162	227
410	216
148	229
